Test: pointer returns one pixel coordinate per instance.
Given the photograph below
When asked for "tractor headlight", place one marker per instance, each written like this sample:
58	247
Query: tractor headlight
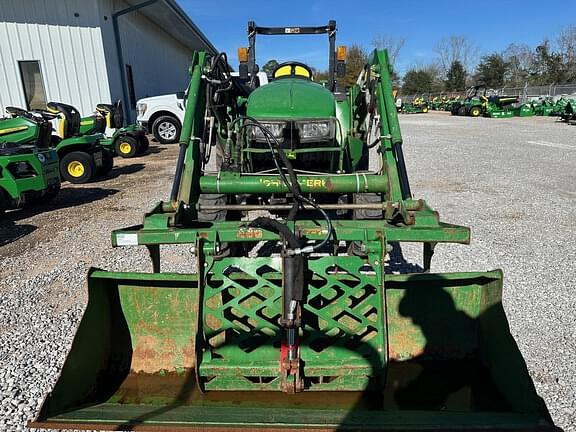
316	130
257	134
141	109
41	157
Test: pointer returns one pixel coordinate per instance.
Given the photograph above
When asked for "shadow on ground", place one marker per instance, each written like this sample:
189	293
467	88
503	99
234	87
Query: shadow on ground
10	231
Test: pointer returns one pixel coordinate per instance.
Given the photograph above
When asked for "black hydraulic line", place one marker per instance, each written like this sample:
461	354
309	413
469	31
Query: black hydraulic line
402	172
178	175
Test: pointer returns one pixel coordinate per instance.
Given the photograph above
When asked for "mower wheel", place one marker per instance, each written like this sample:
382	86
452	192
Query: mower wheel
144	143
77	167
166	129
107	162
126	146
475	111
461	111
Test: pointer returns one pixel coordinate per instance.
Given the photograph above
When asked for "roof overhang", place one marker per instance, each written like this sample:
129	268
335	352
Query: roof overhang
170	17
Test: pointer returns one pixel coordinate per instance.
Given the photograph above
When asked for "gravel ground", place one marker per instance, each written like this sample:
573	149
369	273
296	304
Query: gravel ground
513	181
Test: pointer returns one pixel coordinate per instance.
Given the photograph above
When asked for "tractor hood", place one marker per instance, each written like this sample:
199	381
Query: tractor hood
291	98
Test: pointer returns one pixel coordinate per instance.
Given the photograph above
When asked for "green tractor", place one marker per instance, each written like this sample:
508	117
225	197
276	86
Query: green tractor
477	103
473	105
288	200
125	141
28	168
82	158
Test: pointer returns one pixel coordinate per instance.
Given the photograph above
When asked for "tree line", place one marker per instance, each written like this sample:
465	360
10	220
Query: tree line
459	63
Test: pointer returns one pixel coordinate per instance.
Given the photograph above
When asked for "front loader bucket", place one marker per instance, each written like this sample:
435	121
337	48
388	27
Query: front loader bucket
450	363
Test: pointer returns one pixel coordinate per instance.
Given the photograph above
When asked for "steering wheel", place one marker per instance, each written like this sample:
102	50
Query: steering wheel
292	69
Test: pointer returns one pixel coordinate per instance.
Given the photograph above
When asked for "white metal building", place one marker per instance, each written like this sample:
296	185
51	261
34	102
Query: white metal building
85	52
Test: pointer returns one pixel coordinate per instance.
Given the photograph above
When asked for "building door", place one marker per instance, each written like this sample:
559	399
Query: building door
33	84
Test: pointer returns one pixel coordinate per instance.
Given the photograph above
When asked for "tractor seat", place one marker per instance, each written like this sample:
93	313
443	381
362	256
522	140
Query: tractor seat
70	123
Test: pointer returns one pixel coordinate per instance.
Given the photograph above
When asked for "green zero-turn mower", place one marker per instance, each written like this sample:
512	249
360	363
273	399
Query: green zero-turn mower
108	119
288	200
28	167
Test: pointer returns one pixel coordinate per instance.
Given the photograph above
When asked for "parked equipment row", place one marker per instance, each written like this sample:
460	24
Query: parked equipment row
41	148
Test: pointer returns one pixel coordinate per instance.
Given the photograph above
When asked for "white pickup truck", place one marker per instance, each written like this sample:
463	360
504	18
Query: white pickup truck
163	115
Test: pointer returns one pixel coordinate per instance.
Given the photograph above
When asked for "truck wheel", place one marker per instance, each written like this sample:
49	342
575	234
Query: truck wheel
126	146
77	167
107	162
475	111
144	144
166	129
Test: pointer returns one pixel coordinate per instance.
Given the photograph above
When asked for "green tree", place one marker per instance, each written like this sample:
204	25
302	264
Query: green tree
356	58
548	66
456	77
492	70
269	67
417	81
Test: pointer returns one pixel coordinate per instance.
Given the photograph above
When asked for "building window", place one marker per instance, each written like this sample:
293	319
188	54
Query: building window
33	84
131	91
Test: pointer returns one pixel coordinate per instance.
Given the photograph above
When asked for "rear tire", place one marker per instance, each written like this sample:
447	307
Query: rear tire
107	162
144	143
461	111
166	129
126	146
77	167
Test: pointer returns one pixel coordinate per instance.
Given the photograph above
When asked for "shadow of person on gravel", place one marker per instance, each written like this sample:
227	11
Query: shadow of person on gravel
398	264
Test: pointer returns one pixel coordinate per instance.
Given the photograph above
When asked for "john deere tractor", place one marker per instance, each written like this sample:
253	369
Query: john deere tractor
28	167
82	158
108	119
477	103
289	202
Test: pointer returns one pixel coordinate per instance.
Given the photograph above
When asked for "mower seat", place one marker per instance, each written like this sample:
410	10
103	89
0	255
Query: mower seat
113	113
70	123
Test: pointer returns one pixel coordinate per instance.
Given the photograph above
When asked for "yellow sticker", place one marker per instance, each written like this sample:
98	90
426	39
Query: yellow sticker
249	233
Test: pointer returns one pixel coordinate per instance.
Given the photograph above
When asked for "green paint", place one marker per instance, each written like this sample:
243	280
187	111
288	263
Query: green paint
291	98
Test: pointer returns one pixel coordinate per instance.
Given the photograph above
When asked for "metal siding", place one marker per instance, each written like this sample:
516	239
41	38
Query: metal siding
159	62
69	48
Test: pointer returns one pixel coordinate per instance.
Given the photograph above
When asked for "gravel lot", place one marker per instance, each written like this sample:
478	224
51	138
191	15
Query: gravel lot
513	181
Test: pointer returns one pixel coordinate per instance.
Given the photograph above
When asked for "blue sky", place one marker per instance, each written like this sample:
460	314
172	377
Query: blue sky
490	24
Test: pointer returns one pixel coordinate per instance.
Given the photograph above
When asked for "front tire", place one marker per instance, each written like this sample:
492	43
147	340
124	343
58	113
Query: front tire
126	146
77	167
475	111
166	129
